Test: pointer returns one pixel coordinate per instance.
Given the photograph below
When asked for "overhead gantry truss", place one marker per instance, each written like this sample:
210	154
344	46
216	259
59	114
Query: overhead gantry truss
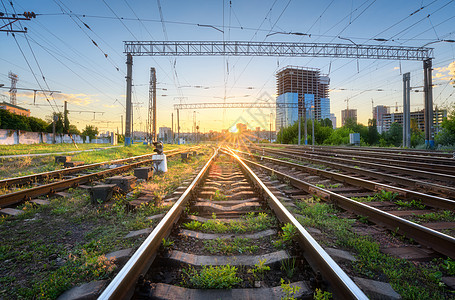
237	48
235	105
280	49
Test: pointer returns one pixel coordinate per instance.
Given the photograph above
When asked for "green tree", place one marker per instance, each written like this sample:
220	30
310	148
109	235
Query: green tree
447	135
72	129
339	136
373	135
394	136
90	131
58	123
417	135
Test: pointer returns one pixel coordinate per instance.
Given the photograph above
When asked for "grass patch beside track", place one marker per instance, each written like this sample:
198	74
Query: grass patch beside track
411	281
15	167
49	249
46	148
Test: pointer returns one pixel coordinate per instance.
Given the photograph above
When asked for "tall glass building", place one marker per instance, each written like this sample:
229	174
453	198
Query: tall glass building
305	86
286	116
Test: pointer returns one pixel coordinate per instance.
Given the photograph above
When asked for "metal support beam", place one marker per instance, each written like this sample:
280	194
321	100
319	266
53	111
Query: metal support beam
151	129
129	77
235	105
428	94
241	48
407	110
178	127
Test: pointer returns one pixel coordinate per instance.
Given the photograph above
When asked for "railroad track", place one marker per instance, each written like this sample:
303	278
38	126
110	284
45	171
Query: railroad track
423	181
61	183
410	154
228	209
359	196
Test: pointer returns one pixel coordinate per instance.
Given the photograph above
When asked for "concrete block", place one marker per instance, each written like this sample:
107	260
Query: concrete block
62	159
138	233
449	281
101	193
11	211
376	289
62	194
239	260
340	254
143	173
126	183
184	156
40	202
120	257
71	164
86	291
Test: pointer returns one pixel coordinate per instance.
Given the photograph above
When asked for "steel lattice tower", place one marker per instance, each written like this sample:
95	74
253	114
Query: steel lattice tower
13	90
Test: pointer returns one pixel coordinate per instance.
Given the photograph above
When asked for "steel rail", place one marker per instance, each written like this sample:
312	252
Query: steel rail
401	170
57	173
122	286
26	194
340	282
383	159
438	161
430	200
440	242
399	151
436	188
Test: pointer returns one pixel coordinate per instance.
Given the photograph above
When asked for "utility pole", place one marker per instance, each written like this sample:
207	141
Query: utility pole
151	129
129	74
27	17
65	117
178	128
13	90
300	121
55	119
172	127
271	127
406	110
121	121
305	129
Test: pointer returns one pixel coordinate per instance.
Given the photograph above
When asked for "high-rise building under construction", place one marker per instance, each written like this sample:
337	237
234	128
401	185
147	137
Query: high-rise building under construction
306	88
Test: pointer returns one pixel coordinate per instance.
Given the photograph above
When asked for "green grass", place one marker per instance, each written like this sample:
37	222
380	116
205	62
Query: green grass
249	223
49	249
409	280
46	148
410	204
230	246
440	216
210	277
14	167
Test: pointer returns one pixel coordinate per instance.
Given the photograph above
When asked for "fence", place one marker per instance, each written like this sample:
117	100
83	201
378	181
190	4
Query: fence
14	137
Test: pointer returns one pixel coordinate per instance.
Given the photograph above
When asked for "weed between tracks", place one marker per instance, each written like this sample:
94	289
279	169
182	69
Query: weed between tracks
249	223
411	281
49	249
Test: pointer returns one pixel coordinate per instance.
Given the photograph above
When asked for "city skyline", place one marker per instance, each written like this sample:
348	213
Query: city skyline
78	49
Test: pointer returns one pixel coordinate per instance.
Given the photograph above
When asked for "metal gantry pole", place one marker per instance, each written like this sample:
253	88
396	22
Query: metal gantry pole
129	76
300	131
428	91
178	128
305	129
406	110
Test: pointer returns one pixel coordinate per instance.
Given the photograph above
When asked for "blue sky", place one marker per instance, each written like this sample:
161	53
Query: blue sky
71	63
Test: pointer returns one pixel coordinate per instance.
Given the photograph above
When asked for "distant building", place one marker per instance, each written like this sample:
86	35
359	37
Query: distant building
304	87
241	127
286	116
333	118
348	114
165	134
378	114
418	116
15	109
